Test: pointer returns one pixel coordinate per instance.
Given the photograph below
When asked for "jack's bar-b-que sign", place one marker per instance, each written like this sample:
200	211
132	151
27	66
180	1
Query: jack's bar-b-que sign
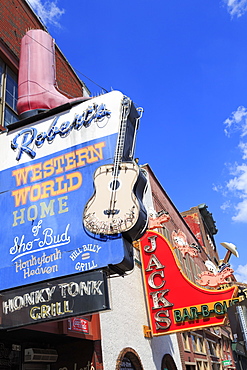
57	299
174	302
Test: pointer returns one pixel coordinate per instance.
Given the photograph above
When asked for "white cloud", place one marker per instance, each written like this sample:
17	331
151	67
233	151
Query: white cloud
226	205
237	122
241	210
236	8
217	187
241	273
239	182
48	11
243	148
236	186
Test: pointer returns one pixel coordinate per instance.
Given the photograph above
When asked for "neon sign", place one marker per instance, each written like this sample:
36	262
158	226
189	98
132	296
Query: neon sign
174	302
57	299
29	137
44	191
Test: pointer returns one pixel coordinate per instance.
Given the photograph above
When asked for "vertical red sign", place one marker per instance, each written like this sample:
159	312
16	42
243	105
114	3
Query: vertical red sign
174	302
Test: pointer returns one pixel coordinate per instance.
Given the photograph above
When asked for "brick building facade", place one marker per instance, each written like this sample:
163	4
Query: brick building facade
200	349
114	339
63	338
17	17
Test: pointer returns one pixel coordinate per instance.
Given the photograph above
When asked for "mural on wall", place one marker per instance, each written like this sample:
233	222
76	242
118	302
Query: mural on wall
194	224
180	242
46	179
174	302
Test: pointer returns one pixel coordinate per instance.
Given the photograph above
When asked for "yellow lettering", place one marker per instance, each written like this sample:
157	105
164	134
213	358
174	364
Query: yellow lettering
33	314
58	162
35	193
71	162
41	210
60	189
66	306
45	210
62	206
48	168
74	176
20	196
45	311
99	147
48	189
95	154
82	154
32	213
20	217
21	175
36	171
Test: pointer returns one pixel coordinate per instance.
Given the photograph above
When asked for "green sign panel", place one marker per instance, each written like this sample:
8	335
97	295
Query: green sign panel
226	362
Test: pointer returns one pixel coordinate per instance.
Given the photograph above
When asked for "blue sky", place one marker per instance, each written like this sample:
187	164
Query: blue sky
185	63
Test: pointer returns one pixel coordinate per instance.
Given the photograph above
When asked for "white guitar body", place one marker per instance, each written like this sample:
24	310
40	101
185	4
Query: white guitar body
113	208
116	206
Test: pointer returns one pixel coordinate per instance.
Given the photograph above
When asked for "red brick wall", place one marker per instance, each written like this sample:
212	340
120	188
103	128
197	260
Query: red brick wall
162	201
16	18
66	79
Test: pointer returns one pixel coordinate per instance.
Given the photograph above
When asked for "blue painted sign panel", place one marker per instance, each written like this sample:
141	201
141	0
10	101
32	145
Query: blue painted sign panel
46	178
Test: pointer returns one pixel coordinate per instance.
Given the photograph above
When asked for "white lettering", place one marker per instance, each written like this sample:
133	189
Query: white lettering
49	240
27	139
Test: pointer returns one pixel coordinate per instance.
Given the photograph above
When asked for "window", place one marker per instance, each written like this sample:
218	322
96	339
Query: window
193	339
215	366
126	363
202	365
168	363
198	343
227	344
129	359
8	95
212	347
186	344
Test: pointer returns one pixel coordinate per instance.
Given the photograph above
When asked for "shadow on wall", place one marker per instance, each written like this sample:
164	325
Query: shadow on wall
162	349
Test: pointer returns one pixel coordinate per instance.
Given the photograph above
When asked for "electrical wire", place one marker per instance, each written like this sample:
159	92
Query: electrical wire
65	60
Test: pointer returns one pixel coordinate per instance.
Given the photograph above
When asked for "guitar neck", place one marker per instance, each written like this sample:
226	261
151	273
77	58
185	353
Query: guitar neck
118	157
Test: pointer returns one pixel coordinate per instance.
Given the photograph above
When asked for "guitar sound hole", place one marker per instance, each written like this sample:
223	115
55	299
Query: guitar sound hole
109	212
114	185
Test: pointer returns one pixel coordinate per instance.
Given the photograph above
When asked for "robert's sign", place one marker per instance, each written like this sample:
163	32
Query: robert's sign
174	302
29	139
71	296
46	178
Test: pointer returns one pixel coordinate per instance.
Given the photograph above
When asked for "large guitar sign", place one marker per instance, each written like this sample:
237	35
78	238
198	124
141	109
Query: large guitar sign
116	205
